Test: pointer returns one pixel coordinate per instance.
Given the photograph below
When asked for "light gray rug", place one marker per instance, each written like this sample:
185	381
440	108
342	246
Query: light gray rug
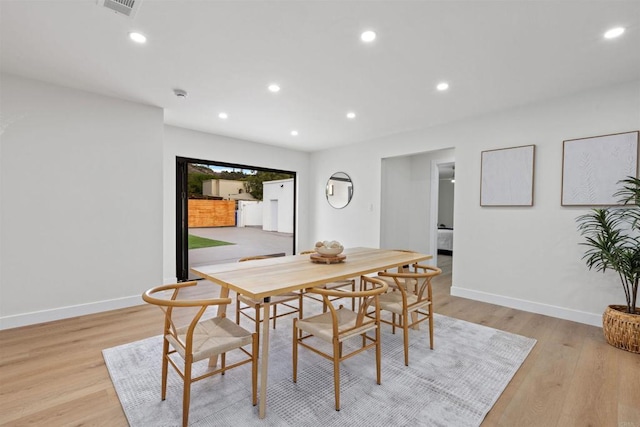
456	384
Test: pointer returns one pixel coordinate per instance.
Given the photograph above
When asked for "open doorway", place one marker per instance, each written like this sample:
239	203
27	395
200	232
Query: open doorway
409	202
445	229
225	212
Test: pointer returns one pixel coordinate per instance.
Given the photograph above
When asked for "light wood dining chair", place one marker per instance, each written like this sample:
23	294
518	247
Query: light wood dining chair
252	308
338	325
408	283
411	296
340	285
196	339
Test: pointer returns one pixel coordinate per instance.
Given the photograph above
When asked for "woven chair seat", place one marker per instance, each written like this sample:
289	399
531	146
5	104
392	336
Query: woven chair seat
321	325
212	336
392	301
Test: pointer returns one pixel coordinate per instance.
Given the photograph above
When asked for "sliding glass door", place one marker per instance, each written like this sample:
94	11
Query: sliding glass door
228	211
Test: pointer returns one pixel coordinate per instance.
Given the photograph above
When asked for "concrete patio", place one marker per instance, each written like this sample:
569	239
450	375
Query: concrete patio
247	241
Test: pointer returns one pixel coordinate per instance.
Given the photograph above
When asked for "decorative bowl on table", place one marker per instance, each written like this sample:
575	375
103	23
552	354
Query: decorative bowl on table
329	249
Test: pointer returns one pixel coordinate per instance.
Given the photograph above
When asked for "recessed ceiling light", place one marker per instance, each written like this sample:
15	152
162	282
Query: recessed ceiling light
137	37
368	36
613	33
442	86
274	88
223	116
294	133
351	115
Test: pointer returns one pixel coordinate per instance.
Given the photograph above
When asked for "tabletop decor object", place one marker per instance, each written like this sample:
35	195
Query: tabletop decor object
329	248
328	252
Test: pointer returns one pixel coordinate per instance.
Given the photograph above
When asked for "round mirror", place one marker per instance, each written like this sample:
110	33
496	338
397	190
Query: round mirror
339	190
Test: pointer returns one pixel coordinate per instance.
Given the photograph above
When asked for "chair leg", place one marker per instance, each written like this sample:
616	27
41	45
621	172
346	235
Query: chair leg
405	330
300	307
254	368
431	327
257	315
165	363
336	372
223	362
186	392
295	350
353	299
378	355
237	310
275	315
393	323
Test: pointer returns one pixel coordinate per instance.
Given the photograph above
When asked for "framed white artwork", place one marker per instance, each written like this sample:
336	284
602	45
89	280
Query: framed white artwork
592	167
506	176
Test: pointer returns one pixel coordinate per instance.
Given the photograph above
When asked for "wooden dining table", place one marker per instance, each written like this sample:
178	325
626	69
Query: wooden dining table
265	278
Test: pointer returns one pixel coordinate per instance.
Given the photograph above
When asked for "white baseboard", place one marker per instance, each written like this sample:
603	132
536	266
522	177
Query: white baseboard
592	319
15	321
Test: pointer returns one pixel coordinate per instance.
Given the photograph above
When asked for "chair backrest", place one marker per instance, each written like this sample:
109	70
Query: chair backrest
368	298
402	268
422	274
169	304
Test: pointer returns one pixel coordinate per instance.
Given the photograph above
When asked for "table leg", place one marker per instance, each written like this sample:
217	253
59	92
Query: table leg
414	318
264	360
222	311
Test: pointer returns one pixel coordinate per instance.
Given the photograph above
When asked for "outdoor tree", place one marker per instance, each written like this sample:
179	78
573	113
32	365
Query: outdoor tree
194	182
254	182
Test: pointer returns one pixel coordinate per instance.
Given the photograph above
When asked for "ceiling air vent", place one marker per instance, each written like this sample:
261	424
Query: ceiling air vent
123	7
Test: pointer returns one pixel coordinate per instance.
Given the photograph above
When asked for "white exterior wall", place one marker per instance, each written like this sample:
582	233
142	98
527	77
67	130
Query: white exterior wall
523	257
90	242
249	214
278	192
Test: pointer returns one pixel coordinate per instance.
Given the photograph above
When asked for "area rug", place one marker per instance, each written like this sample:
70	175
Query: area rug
456	384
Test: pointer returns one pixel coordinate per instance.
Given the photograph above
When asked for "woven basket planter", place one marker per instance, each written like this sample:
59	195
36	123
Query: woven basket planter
621	329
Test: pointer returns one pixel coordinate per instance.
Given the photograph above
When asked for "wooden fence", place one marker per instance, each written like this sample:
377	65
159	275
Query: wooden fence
212	213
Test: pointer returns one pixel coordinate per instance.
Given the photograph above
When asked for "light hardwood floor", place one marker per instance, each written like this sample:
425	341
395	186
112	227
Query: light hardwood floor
53	374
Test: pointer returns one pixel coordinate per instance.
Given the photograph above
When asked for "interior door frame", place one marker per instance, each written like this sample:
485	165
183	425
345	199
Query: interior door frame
182	207
435	194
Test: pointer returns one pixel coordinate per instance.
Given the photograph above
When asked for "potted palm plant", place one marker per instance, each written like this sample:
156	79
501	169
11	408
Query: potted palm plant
613	238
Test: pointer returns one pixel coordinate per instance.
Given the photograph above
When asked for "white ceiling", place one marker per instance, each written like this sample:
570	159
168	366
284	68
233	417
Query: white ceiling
494	54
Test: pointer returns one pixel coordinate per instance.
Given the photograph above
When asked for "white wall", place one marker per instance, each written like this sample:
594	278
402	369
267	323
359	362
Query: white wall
89	240
249	213
280	192
528	258
179	142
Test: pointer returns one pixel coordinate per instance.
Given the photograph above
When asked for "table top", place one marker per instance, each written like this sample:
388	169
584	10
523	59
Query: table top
272	276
